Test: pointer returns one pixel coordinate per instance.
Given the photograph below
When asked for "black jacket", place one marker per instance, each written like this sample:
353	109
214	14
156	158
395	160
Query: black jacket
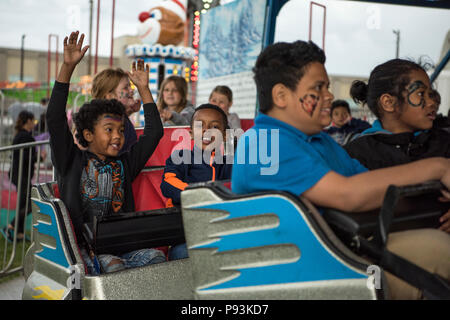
177	176
69	160
381	149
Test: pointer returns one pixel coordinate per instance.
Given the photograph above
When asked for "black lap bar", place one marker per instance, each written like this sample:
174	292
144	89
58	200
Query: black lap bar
404	208
126	232
410	211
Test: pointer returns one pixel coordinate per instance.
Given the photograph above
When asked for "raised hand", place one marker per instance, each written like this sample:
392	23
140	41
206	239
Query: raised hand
139	76
73	51
139	73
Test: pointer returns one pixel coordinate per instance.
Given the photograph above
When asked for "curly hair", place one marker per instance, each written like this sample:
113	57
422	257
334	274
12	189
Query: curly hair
89	113
283	63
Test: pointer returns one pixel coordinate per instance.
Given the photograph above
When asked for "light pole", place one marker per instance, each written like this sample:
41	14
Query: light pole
397	33
49	56
91	9
22	55
112	33
96	40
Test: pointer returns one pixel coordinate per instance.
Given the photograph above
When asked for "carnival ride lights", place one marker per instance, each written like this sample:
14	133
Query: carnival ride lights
195	44
206	5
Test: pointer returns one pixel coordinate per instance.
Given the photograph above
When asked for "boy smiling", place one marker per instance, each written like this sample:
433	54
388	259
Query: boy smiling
205	162
102	126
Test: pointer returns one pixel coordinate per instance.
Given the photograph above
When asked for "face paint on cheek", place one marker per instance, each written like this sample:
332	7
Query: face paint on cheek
309	103
412	100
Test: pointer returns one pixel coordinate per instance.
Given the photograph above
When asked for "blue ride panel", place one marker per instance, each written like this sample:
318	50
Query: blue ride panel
316	263
56	254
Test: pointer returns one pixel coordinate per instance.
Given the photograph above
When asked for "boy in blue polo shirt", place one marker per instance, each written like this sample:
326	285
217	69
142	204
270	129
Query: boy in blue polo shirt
294	100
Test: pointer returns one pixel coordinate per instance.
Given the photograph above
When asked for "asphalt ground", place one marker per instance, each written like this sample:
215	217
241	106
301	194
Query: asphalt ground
12	289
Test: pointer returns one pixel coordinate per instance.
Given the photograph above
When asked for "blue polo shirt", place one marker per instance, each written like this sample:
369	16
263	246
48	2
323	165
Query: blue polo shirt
274	155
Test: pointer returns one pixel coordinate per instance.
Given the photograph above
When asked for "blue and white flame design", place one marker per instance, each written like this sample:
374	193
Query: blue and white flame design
316	263
55	254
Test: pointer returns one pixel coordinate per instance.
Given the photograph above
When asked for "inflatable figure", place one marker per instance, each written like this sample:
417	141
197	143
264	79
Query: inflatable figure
163	23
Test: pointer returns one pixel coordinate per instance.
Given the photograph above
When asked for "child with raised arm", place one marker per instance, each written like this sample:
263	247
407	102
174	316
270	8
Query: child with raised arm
97	181
292	86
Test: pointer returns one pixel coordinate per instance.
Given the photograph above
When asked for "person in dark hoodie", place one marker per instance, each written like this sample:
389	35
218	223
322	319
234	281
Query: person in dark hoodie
344	127
399	93
24	127
97	181
205	162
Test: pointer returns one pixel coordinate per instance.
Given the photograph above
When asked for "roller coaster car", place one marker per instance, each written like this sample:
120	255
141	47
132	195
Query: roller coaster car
268	245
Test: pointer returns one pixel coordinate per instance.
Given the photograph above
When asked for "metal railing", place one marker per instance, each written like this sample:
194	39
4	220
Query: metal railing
21	101
2	118
12	252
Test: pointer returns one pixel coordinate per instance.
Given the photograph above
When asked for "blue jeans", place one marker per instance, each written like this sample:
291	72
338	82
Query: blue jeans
133	259
178	252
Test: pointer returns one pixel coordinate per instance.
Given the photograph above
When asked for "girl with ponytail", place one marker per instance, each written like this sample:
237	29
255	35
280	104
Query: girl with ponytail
400	95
